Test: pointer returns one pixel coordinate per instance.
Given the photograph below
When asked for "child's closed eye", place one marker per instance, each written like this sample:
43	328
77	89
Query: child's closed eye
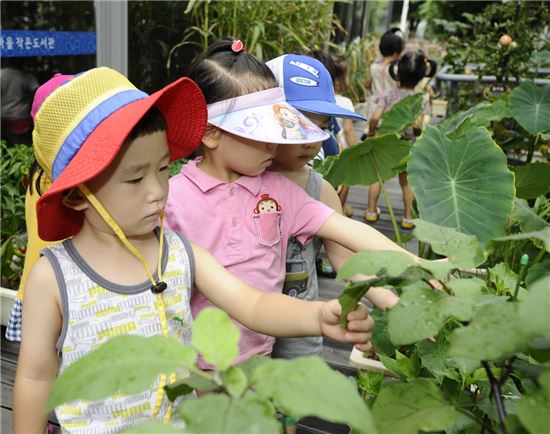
135	181
163	168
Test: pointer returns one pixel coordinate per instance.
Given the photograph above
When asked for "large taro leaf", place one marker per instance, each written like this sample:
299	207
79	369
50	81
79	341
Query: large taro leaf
216	338
402	115
127	364
543	235
532	180
479	115
530	106
463	184
222	414
408	408
307	386
355	166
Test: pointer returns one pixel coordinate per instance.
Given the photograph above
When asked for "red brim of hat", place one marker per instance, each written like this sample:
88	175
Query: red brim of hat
184	110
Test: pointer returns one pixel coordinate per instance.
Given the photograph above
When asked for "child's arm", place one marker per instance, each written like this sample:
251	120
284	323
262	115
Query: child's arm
381	297
37	364
356	236
374	120
277	314
349	132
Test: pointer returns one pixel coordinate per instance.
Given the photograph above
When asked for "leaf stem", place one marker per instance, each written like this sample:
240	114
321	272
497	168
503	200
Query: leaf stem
388	203
495	390
532	147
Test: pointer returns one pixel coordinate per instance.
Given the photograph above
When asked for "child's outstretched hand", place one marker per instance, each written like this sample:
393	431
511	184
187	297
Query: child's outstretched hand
359	329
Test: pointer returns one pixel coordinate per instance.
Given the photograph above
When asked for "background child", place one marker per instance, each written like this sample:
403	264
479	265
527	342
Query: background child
407	72
391	46
242	214
345	135
110	183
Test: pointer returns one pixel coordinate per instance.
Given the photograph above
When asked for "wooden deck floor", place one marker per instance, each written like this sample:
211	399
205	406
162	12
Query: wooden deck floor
335	353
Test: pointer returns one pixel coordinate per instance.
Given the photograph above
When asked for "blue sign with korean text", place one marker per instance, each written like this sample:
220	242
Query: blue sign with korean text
26	43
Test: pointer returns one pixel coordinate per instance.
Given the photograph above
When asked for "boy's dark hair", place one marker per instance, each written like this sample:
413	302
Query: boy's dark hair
150	123
327	61
222	73
392	42
411	68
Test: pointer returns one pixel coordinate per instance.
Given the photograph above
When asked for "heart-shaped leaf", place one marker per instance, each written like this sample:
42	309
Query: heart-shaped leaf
294	387
358	165
463	184
216	338
532	180
530	106
408	408
127	364
402	115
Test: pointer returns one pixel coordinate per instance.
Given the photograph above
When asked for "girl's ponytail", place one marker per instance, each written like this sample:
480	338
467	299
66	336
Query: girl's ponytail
431	67
394	70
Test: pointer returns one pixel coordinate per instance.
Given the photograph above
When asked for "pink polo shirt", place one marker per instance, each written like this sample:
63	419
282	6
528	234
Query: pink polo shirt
246	225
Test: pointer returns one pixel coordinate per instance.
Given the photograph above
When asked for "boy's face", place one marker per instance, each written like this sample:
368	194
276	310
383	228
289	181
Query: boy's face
134	188
322	121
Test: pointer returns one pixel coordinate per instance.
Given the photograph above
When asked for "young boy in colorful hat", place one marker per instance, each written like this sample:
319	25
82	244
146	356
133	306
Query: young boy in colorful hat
106	147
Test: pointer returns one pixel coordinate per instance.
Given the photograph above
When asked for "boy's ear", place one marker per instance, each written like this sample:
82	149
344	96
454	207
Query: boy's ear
212	137
74	199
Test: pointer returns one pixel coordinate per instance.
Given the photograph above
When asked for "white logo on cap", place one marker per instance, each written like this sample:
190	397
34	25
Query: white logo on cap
305	67
304	81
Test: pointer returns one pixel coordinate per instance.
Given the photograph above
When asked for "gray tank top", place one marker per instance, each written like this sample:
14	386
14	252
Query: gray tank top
301	281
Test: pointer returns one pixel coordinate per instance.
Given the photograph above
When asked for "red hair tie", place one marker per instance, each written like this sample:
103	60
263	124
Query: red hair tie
237	46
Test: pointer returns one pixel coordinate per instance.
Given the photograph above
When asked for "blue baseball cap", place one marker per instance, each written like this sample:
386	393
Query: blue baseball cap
308	85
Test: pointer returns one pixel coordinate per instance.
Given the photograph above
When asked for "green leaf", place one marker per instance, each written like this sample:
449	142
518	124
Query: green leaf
533	408
380	337
461	249
526	217
222	414
543	235
422	312
174	391
250	365
409	366
355	165
503	277
391	364
532	180
370	263
534	311
463	184
296	388
530	106
216	338
537	271
120	365
235	381
494	332
402	115
153	428
480	115
407	408
369	382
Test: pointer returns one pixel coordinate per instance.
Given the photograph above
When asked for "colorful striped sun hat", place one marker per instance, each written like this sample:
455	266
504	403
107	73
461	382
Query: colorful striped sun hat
81	122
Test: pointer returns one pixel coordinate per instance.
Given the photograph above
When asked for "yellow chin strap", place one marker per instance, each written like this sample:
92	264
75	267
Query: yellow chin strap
156	287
